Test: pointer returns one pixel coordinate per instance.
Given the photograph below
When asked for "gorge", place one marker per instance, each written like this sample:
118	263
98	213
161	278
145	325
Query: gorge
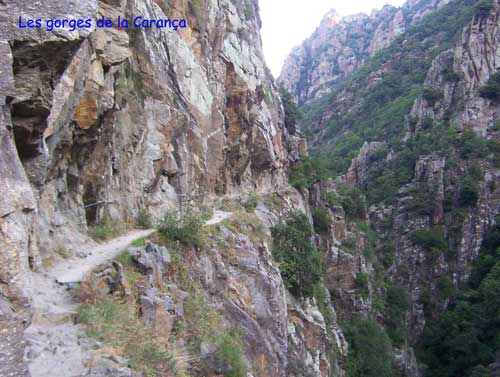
169	209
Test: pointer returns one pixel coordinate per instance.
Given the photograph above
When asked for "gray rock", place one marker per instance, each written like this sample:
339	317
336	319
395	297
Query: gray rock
153	259
158	312
207	349
118	360
106	371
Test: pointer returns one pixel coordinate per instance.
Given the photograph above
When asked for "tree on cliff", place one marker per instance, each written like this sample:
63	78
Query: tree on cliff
292	113
300	261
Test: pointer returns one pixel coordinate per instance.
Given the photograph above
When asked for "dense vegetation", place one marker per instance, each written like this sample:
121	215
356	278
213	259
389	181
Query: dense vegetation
492	88
322	220
465	340
370	349
292	112
300	261
185	229
397	303
385	177
307	172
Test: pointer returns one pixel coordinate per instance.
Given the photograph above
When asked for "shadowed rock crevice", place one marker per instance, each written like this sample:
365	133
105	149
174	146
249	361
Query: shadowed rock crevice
37	69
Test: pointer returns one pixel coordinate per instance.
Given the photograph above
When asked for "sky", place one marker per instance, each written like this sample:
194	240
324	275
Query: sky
286	23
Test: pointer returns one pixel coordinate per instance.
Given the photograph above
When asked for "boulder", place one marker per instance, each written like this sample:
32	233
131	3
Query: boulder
158	311
153	260
106	371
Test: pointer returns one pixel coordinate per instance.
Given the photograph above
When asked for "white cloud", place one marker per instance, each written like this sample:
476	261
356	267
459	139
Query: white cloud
286	23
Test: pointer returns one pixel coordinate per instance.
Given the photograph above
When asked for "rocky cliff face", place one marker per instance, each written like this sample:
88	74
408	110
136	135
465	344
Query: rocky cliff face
341	45
108	122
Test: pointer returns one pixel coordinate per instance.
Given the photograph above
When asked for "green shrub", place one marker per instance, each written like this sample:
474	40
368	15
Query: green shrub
427	123
397	304
472	146
370	352
483	8
362	284
332	200
353	201
230	352
130	83
251	203
292	112
322	220
428	302
446	287
450	75
300	261
476	172
219	188
431	239
185	229
469	193
492	88
388	254
422	203
432	95
307	172
196	8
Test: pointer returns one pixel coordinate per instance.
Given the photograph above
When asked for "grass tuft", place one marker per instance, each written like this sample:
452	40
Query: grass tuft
108	228
117	325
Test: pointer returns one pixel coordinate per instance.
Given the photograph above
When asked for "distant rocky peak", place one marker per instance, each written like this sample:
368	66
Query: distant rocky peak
342	44
331	19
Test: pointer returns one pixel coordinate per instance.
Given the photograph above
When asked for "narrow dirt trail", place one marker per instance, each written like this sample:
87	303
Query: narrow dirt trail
218	217
58	347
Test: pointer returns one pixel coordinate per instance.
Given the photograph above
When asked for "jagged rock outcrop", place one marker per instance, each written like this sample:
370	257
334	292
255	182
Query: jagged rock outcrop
459	73
358	171
153	259
249	290
341	45
310	349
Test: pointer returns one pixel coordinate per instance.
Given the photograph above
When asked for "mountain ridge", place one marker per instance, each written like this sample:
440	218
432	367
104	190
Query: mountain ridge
335	50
